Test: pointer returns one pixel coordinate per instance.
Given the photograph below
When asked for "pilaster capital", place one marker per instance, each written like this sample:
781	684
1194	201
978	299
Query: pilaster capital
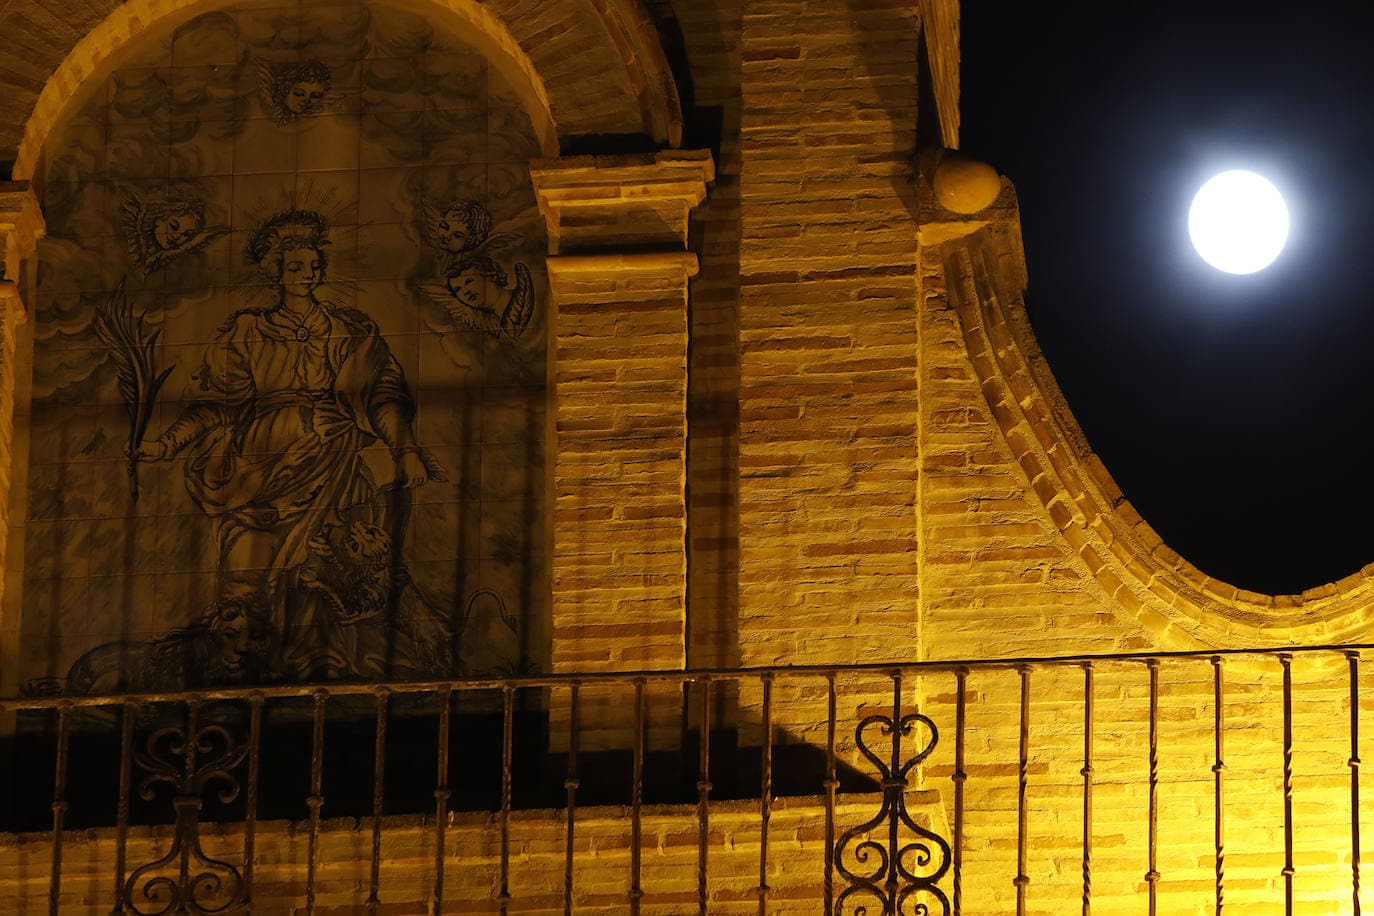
615	275
21	226
601	203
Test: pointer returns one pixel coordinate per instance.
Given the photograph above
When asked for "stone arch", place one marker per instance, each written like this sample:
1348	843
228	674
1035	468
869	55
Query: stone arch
583	67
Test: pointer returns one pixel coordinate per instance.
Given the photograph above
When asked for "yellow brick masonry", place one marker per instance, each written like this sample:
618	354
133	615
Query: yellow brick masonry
876	446
828	309
472	880
711	30
618	372
994	563
1253	795
1027	553
1012	474
620	353
619	365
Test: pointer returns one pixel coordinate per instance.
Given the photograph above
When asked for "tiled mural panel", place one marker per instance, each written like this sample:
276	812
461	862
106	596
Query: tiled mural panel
289	376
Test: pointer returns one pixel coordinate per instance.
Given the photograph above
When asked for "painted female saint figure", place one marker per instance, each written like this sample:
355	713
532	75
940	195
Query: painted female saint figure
278	412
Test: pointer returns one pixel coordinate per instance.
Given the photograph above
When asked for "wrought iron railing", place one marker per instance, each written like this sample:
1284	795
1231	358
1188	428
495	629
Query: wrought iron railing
208	747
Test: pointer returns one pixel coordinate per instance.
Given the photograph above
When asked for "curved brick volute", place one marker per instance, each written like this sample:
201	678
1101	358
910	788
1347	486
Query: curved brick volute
1081	525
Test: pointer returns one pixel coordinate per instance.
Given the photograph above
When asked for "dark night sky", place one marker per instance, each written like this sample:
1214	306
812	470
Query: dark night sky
1232	411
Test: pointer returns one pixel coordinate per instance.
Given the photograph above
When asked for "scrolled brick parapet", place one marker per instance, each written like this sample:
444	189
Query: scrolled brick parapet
635	202
21	226
1130	569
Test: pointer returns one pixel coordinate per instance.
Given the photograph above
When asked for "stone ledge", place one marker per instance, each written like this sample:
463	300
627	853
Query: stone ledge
618	202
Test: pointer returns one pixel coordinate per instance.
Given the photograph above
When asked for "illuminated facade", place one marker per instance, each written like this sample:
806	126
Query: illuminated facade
498	392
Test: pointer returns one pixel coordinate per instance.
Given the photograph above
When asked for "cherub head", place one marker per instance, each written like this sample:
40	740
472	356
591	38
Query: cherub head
457	228
477	283
289	250
173	223
162	229
294	89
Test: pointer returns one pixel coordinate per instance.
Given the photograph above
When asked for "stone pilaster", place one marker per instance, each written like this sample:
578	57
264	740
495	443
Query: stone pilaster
618	376
21	226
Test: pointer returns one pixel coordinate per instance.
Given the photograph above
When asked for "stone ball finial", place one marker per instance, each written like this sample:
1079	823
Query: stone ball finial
965	185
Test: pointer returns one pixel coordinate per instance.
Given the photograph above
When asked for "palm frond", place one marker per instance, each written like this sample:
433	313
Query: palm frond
133	350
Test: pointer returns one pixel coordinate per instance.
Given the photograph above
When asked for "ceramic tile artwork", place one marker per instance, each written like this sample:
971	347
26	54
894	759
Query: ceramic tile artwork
289	374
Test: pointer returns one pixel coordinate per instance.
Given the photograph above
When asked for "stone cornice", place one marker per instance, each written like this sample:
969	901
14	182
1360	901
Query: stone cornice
621	203
682	264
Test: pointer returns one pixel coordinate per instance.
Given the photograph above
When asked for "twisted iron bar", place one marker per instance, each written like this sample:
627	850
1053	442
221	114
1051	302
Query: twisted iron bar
191	759
904	872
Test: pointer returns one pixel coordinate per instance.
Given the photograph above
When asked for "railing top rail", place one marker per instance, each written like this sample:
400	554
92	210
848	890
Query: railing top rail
689	675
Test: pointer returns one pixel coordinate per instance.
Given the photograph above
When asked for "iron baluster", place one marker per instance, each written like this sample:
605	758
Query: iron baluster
1152	871
378	783
192	727
190	759
907	871
442	793
703	794
316	800
251	815
1087	773
59	808
1354	659
1219	787
507	737
1286	661
126	741
890	885
571	784
831	784
765	791
960	777
637	801
1022	879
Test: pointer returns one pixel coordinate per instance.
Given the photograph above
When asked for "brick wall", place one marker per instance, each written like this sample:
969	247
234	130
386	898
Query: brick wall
828	310
472	879
877	467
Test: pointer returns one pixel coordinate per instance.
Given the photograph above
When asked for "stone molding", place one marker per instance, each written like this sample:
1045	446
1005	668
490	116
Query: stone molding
1139	575
633	31
940	32
679	266
621	203
21	226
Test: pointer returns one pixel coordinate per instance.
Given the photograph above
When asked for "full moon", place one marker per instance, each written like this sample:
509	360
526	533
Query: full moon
1238	222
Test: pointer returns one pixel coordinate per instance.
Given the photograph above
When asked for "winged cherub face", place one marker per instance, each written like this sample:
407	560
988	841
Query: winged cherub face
453	232
469	288
173	229
304	96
